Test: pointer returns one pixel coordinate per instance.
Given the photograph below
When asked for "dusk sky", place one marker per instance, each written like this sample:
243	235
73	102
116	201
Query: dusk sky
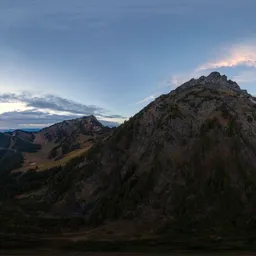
62	59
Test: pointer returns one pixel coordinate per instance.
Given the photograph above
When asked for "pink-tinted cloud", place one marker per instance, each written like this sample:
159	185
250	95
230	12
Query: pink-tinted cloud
243	55
237	55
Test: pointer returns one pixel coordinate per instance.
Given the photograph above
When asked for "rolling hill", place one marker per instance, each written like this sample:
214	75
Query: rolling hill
51	145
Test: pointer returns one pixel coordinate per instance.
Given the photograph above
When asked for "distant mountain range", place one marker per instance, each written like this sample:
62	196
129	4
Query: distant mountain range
24	129
105	123
53	145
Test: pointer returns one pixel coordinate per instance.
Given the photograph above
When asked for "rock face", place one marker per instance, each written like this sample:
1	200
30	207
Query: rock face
215	79
72	128
186	162
71	135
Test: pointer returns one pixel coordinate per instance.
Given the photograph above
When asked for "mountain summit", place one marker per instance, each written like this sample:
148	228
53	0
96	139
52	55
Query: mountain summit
215	79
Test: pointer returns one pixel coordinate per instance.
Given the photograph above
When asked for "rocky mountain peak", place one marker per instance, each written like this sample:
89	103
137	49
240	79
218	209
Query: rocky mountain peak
94	122
217	78
217	75
92	118
214	79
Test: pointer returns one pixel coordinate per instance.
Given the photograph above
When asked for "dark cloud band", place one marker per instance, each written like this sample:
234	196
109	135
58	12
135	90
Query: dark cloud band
18	119
52	102
42	107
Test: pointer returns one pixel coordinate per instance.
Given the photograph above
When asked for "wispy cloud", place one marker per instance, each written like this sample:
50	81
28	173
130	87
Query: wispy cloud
28	118
47	109
180	78
113	116
177	80
165	83
236	55
35	118
51	102
146	100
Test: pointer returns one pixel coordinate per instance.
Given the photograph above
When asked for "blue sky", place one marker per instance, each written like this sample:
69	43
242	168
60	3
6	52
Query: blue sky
61	59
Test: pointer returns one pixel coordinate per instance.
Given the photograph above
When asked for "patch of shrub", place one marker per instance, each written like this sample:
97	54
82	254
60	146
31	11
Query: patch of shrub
53	153
209	124
249	118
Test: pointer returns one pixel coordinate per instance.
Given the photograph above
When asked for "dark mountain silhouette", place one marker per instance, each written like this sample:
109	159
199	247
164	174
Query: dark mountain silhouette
181	172
178	162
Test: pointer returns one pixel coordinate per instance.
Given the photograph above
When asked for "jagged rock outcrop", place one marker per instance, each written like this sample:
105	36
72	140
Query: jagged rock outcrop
215	79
